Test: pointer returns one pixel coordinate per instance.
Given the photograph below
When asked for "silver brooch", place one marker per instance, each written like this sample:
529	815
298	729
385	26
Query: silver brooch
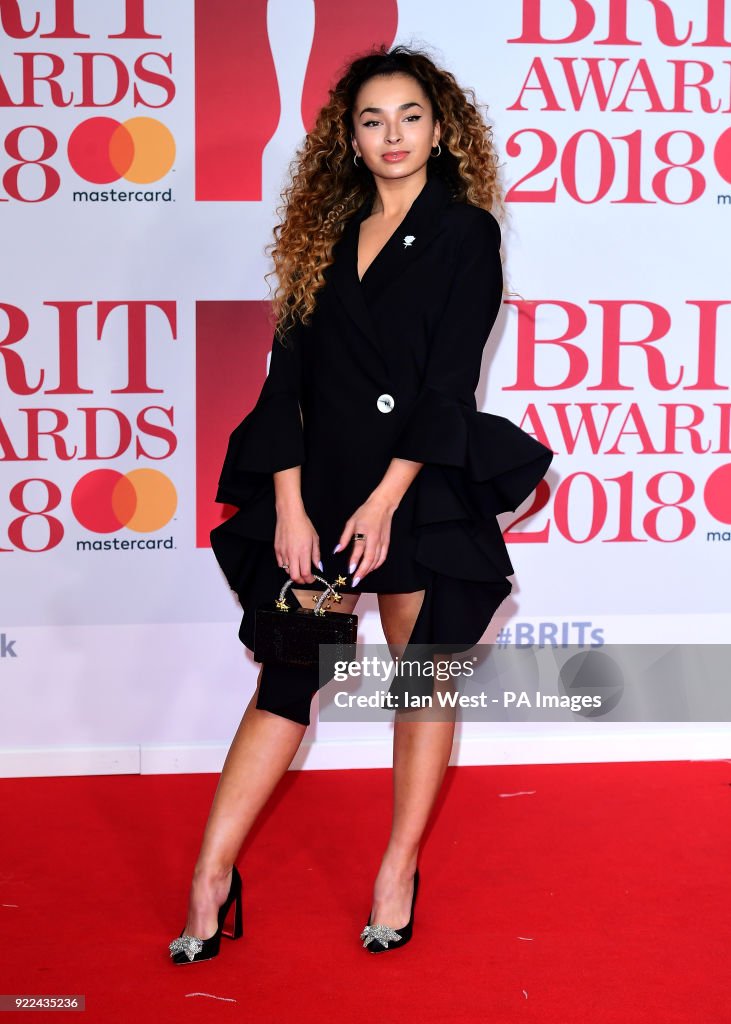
382	932
408	239
187	944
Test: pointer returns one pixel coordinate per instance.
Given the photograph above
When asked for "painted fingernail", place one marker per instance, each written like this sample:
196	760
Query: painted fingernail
336	548
321	568
351	567
356	581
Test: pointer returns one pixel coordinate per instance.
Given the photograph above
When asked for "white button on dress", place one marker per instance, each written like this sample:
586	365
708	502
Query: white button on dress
385	403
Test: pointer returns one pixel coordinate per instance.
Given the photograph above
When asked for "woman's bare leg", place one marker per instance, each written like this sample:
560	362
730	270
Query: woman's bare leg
259	755
421	750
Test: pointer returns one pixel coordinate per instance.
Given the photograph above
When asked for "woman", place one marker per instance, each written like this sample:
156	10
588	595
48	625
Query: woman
365	455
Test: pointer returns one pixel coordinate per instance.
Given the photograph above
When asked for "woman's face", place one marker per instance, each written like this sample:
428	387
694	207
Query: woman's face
394	129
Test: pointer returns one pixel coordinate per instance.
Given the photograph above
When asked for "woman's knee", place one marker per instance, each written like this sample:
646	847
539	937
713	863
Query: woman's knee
399	613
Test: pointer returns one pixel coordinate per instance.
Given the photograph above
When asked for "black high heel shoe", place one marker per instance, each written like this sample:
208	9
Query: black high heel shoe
188	949
376	937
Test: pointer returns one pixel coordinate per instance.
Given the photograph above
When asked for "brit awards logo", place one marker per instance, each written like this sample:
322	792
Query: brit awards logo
624	103
98	399
125	67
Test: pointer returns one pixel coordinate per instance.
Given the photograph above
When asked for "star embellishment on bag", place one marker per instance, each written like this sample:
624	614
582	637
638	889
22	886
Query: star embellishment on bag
408	240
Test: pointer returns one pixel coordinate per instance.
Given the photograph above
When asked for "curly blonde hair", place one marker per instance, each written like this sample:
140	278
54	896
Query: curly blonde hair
326	187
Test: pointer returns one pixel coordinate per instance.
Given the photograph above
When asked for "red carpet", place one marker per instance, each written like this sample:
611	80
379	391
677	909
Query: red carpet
603	896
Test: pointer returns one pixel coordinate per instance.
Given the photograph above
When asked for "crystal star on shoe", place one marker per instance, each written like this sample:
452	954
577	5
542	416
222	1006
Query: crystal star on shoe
381	932
187	944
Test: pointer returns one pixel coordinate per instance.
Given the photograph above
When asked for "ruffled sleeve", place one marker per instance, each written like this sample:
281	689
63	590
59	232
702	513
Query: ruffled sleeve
476	464
443	427
270	437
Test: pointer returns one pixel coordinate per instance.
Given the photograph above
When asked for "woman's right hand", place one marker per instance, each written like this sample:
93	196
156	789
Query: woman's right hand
297	545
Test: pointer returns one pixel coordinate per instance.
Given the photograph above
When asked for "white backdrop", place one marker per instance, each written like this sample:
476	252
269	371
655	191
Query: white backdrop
618	166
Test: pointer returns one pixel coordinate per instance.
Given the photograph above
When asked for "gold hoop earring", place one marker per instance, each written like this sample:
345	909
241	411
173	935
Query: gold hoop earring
439	150
355	159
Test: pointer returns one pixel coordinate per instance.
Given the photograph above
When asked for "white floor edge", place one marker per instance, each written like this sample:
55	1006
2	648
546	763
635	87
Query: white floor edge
671	745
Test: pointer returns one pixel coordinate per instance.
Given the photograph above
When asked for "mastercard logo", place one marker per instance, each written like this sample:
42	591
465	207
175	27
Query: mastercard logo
140	150
143	500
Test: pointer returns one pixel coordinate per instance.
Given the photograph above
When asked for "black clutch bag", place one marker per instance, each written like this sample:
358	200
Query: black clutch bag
286	636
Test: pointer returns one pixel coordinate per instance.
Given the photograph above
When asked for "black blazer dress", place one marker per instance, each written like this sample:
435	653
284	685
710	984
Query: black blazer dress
387	368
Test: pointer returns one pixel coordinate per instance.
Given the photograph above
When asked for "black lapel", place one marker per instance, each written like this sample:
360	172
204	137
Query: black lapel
420	226
343	277
405	247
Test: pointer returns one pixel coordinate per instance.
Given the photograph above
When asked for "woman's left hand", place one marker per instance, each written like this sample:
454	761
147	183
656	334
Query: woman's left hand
373	519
